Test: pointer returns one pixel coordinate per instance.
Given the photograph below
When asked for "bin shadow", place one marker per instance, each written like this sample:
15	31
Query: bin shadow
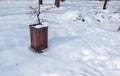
36	51
56	41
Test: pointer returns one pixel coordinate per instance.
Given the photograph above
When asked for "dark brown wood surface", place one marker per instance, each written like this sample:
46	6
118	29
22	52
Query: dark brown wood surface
39	38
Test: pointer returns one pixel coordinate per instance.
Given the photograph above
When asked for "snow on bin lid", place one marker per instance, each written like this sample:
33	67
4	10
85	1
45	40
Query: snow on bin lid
40	26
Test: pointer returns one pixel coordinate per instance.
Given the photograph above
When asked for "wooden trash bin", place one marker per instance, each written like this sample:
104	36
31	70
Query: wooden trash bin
38	37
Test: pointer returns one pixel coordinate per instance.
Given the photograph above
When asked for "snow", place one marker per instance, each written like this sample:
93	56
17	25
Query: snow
82	39
39	26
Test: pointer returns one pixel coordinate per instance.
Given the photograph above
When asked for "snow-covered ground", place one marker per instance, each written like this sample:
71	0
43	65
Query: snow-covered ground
83	39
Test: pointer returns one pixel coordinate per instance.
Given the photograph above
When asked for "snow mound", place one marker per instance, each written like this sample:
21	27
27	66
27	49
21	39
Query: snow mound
69	15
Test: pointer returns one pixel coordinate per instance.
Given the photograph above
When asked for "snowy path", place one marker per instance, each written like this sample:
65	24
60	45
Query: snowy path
76	47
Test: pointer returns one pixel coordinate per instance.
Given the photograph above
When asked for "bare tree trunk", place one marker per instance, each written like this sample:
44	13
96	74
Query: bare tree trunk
39	12
40	1
38	15
57	3
62	0
104	6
